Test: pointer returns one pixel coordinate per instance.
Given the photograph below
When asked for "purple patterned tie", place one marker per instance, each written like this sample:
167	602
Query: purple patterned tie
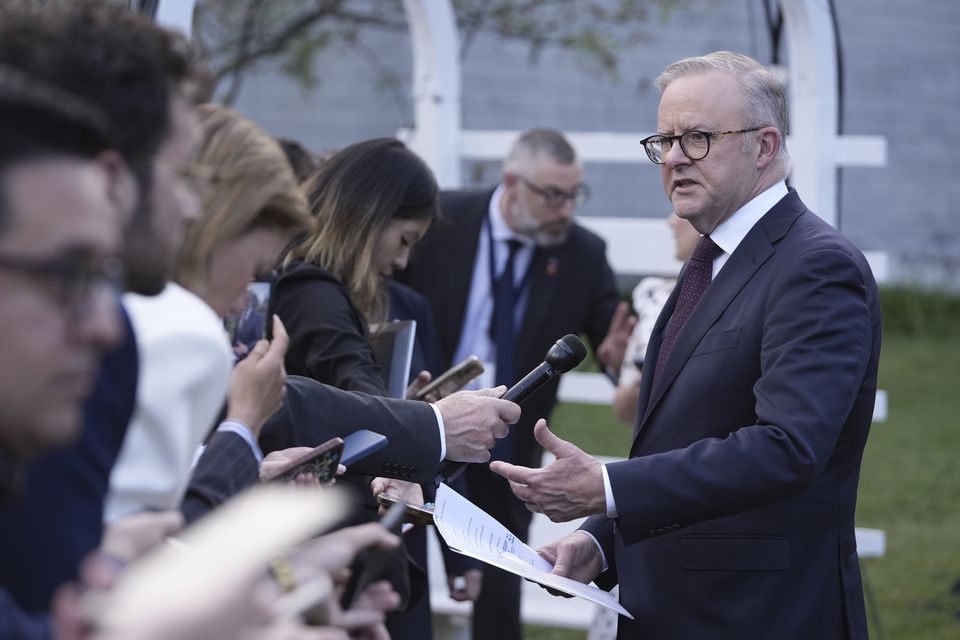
696	279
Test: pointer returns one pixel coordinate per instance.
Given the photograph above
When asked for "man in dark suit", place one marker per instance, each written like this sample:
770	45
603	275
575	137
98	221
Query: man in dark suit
733	517
59	226
139	76
559	283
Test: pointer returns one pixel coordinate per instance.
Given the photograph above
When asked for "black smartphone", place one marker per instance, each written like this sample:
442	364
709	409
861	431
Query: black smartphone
414	514
360	444
370	562
453	379
320	462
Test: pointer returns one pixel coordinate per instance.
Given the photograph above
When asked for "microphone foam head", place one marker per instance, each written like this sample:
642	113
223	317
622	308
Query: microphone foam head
566	353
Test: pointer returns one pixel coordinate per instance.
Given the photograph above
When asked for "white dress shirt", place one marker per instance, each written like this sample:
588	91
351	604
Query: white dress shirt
475	333
185	362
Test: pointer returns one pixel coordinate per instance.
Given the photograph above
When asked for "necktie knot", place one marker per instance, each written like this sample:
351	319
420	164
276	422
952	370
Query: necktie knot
706	250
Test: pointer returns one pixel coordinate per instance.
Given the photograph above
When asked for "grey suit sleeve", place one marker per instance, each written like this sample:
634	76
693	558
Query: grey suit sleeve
313	413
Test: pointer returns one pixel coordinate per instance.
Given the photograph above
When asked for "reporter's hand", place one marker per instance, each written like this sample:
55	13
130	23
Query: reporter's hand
278	459
365	619
610	352
473	420
333	552
408	492
423	379
130	537
257	383
467	586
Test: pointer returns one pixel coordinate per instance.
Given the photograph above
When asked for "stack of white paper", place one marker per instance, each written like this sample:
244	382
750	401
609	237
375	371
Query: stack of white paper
470	531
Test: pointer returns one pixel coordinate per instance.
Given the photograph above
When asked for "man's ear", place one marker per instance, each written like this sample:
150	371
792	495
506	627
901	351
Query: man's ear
510	185
123	189
769	146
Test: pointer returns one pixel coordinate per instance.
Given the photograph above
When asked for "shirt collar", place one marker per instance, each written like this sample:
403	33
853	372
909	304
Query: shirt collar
730	233
498	226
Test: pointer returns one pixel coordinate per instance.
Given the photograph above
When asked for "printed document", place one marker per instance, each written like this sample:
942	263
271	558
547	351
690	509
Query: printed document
470	531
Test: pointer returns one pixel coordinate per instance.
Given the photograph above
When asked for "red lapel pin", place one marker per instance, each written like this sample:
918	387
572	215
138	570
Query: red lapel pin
553	266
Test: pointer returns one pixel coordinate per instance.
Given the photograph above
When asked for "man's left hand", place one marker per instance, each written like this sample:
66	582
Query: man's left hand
570	487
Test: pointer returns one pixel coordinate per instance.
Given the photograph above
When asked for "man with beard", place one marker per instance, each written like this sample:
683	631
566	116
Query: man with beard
139	76
559	283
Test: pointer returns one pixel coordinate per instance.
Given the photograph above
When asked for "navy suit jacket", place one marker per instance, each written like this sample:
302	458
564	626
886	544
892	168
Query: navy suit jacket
736	507
59	519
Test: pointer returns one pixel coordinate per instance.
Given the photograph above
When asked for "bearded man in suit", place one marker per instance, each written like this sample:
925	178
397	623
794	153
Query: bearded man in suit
559	282
733	516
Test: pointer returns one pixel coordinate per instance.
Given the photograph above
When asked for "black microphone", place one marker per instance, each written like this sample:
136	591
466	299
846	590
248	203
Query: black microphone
565	354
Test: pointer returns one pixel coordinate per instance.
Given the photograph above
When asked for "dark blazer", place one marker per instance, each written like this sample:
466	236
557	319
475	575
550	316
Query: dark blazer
328	334
572	290
313	413
59	519
736	506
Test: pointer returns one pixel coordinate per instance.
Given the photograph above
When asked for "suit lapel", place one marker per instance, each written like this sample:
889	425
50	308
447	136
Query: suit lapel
756	248
461	254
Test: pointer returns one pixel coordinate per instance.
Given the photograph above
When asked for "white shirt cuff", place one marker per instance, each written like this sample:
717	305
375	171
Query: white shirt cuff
603	556
608	494
241	429
443	437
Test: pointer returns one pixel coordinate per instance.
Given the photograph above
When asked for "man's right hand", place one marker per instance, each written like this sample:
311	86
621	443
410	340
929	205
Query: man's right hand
575	556
473	420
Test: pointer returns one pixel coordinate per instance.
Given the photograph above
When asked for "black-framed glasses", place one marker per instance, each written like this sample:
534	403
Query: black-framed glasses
558	197
694	144
74	283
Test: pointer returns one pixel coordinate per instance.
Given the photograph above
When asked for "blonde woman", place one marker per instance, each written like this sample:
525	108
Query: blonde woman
251	209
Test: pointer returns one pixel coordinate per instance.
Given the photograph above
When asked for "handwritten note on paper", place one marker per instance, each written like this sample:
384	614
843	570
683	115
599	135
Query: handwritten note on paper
470	531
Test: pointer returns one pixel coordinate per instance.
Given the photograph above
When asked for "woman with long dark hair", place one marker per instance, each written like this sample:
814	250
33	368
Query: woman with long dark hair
373	201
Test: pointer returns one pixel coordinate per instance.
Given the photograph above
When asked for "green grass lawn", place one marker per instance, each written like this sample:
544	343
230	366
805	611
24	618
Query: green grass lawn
910	487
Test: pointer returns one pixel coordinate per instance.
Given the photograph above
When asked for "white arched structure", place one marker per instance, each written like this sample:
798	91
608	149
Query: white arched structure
815	146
